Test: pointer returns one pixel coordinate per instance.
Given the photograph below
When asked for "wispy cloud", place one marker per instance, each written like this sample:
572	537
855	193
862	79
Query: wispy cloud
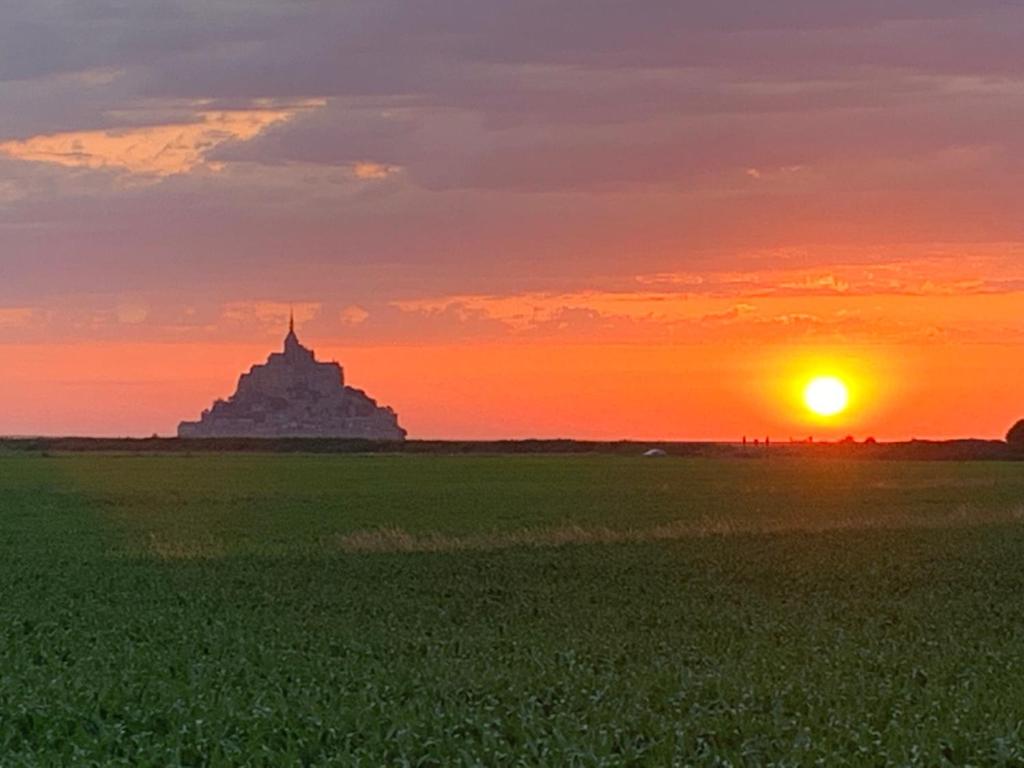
370	171
832	312
947	275
154	150
353	315
267	314
16	317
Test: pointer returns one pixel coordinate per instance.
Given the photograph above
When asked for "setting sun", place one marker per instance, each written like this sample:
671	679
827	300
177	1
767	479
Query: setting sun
826	396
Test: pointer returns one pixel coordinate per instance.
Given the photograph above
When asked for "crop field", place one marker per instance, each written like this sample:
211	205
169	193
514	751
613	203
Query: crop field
292	610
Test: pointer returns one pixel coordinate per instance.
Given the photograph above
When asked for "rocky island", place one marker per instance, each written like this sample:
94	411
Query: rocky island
294	395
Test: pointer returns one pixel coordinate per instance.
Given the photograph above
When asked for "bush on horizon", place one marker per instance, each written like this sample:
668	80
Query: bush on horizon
1015	437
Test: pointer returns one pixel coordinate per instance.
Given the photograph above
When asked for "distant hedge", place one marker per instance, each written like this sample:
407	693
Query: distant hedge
914	450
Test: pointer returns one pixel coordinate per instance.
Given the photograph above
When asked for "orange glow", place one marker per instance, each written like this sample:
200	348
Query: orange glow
589	391
644	364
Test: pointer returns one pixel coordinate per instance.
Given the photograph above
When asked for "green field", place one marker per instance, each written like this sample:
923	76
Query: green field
535	610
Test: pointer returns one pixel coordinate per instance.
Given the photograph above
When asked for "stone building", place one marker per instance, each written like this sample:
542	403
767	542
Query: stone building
294	395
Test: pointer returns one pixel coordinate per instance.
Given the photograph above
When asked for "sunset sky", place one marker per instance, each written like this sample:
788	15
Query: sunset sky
579	218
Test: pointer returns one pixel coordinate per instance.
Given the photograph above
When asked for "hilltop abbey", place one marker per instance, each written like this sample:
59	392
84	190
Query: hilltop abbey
294	395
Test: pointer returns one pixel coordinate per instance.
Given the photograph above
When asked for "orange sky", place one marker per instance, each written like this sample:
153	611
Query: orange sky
929	348
508	221
596	391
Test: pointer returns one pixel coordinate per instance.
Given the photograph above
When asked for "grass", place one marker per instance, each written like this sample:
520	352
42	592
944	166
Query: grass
535	610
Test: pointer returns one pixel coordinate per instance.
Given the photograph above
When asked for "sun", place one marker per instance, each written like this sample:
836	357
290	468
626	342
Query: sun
826	395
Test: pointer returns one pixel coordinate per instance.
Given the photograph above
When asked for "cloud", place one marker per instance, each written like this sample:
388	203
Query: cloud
477	149
937	275
854	313
353	315
156	150
269	314
730	315
16	317
369	171
132	312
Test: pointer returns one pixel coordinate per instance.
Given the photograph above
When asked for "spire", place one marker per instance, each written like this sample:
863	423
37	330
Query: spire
291	341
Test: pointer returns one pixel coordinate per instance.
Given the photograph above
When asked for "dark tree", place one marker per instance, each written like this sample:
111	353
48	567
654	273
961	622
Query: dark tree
1015	437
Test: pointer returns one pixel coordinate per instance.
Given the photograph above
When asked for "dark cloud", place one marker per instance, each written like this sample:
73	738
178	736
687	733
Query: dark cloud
650	136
